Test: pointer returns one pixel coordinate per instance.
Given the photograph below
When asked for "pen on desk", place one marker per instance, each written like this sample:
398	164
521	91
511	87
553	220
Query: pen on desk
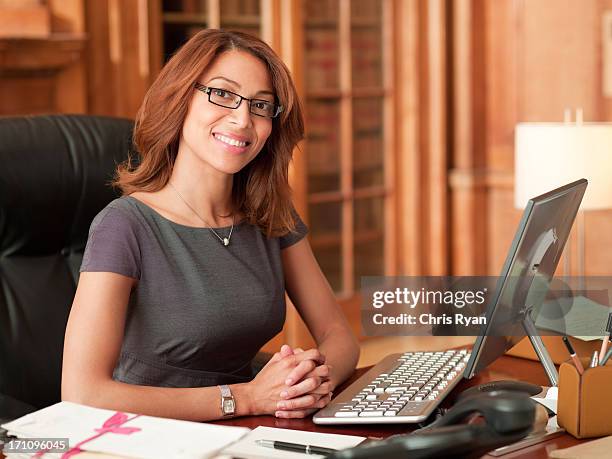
594	360
573	355
606	340
285	446
603	361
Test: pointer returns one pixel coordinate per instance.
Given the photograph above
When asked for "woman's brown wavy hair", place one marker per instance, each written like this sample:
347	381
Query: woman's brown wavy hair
261	189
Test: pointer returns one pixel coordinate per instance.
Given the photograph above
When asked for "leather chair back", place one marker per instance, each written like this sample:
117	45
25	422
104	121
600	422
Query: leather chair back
54	178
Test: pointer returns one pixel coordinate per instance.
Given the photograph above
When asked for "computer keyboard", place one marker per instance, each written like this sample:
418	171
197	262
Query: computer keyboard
401	388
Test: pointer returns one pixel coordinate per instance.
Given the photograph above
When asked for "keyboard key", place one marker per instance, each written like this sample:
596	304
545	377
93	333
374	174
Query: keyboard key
393	389
346	414
391	413
371	414
371	397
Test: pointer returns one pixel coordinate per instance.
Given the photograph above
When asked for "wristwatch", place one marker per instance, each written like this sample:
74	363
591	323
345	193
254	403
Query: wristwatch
228	403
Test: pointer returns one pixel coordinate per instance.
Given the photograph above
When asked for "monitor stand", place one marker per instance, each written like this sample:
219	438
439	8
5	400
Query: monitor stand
540	349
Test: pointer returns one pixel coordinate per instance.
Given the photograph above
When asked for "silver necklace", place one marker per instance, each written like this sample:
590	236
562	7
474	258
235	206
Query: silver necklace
224	240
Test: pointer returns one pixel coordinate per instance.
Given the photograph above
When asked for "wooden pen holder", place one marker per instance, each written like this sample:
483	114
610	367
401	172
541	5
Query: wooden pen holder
584	407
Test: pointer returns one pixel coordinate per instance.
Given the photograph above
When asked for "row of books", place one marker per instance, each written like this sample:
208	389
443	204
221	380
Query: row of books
326	9
312	9
248	7
322	58
323	147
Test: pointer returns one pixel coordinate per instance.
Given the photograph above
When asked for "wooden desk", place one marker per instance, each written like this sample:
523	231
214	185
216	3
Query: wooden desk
504	368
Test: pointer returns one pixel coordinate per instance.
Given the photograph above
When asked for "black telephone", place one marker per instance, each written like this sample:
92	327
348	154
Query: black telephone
508	417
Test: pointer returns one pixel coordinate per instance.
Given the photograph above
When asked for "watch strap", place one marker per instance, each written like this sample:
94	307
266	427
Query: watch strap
225	391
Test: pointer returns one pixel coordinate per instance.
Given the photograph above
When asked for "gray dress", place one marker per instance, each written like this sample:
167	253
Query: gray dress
200	311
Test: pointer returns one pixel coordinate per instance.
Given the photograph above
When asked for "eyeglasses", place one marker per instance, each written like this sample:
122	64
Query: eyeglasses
228	99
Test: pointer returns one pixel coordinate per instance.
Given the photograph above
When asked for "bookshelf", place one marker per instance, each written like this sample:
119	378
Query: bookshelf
349	99
181	19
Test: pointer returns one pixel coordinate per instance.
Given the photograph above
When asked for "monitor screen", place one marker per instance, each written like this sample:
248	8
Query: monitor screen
529	267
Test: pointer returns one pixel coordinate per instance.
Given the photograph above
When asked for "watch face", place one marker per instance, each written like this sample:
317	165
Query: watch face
228	406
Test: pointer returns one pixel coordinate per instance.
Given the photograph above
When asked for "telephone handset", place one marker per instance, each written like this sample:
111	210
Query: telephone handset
508	417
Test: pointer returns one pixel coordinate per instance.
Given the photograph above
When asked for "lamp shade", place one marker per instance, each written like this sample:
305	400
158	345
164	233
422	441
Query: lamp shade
549	155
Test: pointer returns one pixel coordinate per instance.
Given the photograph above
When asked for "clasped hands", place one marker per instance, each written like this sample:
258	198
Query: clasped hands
293	384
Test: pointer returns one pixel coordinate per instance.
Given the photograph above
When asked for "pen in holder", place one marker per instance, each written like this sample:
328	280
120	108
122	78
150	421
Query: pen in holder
585	401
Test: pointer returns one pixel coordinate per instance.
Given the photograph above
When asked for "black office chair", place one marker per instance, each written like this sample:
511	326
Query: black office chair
54	176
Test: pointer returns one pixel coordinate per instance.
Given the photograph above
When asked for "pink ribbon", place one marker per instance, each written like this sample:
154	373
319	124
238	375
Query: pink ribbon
112	425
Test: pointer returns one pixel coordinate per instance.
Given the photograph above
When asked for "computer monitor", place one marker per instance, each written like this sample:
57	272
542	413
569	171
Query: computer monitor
526	275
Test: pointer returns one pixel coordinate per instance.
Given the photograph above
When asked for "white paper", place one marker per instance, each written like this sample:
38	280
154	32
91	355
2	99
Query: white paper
158	437
584	319
247	448
549	400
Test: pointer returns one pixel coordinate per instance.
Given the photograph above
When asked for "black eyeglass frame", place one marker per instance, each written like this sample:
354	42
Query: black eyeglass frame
208	90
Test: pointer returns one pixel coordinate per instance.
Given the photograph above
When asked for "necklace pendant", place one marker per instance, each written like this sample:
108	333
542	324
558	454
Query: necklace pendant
225	241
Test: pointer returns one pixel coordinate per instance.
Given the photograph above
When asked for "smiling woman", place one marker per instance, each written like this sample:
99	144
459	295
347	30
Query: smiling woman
184	277
171	103
219	127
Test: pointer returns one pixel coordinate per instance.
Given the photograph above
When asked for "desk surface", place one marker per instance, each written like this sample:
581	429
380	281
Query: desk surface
503	368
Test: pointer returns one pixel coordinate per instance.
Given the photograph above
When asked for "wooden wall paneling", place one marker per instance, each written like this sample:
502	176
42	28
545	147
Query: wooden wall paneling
100	81
389	145
346	147
24	19
67	17
214	14
32	75
502	36
133	67
12	88
70	94
115	56
467	176
45	75
271	24
559	62
605	103
408	108
437	185
502	56
598	224
501	42
156	36
122	39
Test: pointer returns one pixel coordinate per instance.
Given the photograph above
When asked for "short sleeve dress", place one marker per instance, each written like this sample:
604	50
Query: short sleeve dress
200	310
